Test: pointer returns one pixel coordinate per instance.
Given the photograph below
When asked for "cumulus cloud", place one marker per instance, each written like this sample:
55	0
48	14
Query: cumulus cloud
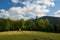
4	13
30	10
57	13
37	2
15	1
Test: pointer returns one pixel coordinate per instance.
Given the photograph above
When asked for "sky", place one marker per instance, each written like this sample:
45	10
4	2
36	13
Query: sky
27	9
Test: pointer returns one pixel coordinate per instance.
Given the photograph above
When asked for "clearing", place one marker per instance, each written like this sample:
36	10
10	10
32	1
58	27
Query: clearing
28	35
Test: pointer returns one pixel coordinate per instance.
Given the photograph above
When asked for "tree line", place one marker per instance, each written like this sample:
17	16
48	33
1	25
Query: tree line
30	25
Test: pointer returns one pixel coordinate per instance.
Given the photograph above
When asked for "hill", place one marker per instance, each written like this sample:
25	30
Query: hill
53	20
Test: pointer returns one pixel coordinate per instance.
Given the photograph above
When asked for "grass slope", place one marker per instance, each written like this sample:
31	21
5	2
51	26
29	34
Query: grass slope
28	35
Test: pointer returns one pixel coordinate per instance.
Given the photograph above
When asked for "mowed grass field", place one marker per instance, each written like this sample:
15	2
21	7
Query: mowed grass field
28	35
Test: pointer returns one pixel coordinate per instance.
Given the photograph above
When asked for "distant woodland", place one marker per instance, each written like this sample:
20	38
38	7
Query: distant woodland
29	25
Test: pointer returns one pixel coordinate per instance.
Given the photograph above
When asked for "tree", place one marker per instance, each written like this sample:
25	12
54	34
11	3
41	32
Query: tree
58	27
40	25
47	25
2	24
21	24
30	25
7	26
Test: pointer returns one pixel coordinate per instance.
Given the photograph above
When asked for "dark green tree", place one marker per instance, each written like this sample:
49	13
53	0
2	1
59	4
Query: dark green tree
21	24
31	25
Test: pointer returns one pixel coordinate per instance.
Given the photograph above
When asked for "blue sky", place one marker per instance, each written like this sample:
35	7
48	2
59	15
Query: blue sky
10	7
55	8
6	4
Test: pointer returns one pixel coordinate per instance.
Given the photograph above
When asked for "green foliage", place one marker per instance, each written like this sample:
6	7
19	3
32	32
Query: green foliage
30	25
38	25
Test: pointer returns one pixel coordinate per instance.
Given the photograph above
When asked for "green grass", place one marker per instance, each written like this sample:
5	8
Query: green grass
28	35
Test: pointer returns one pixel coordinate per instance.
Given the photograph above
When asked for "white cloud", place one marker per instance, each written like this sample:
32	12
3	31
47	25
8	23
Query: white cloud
30	10
37	2
48	2
15	1
4	13
57	13
16	13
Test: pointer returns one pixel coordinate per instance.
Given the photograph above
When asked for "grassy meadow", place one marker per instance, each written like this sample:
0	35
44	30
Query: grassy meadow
28	35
